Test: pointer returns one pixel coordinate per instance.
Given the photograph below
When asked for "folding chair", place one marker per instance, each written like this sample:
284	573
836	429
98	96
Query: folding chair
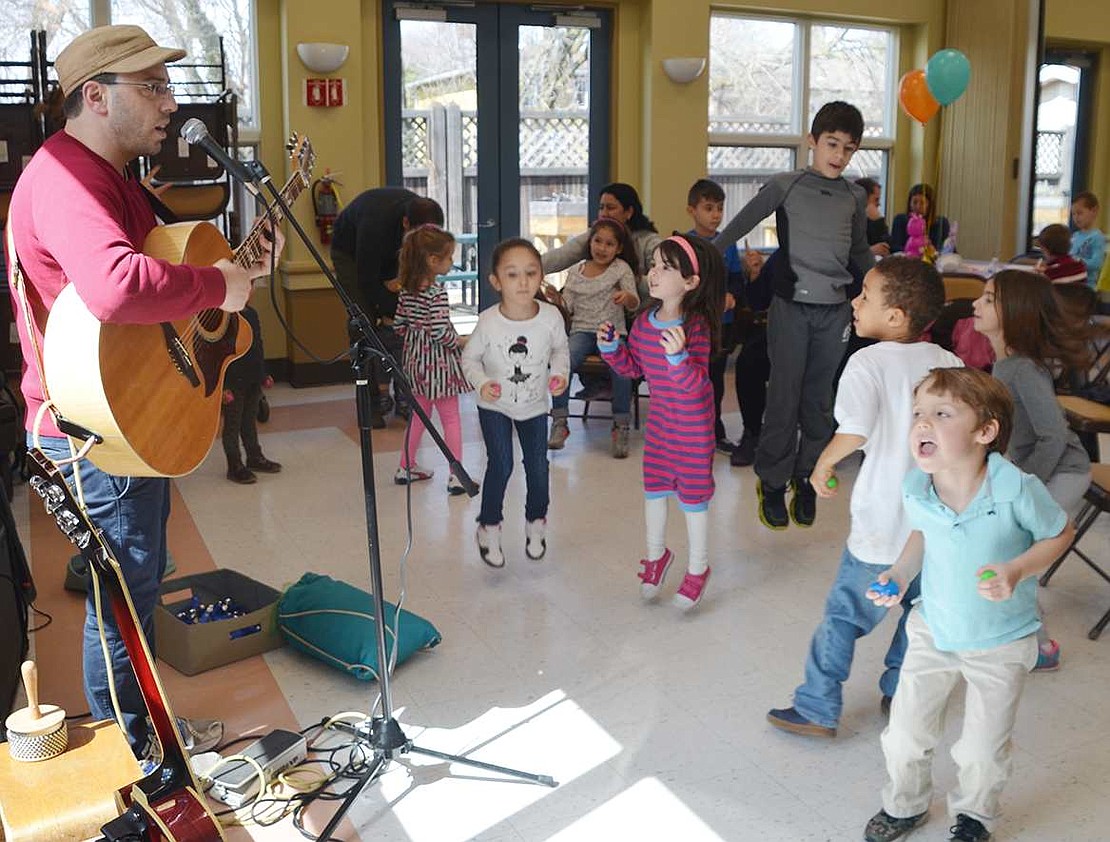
1097	501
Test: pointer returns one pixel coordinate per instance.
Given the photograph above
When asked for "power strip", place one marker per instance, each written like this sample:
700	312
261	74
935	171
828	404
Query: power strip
237	783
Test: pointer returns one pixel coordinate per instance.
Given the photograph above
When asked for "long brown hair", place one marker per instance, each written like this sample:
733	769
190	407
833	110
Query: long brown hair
1036	323
708	297
419	244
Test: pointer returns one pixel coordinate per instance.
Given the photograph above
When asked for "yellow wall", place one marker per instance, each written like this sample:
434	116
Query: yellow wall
1080	23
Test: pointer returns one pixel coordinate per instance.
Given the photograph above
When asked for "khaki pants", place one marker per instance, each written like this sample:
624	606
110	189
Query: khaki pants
995	678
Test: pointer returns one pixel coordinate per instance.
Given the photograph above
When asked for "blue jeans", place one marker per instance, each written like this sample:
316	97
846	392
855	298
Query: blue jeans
132	512
497	430
581	345
849	615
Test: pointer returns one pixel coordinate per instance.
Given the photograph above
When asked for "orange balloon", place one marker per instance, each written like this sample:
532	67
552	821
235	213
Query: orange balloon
916	100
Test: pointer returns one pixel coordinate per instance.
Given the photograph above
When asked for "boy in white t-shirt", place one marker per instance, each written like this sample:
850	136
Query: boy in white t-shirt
901	296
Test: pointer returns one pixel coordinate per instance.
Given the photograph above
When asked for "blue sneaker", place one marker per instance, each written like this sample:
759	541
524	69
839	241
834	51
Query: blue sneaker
788	719
1048	660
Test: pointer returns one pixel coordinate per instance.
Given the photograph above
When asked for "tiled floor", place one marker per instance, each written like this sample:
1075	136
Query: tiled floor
651	721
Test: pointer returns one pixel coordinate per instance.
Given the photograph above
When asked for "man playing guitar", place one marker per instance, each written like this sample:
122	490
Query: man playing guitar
78	216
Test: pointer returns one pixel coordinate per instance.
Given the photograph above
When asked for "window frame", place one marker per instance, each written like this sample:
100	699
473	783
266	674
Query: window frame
797	141
100	14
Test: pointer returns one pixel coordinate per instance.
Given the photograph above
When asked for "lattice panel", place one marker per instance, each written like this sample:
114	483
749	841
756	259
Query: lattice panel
470	139
750	158
414	141
1050	155
554	142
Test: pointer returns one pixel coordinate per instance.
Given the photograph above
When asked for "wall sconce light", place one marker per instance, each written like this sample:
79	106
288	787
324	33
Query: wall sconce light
682	71
323	58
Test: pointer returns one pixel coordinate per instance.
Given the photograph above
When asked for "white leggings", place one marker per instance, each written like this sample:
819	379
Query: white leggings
697	529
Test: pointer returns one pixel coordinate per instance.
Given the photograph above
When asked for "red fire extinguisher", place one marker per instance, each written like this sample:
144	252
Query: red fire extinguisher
325	199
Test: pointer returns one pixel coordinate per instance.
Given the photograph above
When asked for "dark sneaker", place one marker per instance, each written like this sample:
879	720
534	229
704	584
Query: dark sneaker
725	446
884	705
967	829
788	719
803	505
772	506
883	827
241	474
266	466
744	452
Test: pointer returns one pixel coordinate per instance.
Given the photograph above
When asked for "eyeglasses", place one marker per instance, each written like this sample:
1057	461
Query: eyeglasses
152	88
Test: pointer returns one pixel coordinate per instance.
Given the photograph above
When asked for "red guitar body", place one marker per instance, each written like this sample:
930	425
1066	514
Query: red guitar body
164	806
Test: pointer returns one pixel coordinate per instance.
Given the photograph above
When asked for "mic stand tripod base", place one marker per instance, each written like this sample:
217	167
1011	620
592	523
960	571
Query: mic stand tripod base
386	739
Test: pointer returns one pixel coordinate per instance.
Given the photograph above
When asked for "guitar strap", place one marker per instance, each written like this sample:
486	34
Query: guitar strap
160	208
18	281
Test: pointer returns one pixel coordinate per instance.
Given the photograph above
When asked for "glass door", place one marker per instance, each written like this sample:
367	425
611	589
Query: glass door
1065	87
501	114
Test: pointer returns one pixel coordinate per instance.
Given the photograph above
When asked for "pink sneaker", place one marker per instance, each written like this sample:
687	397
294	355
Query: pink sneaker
691	590
654	573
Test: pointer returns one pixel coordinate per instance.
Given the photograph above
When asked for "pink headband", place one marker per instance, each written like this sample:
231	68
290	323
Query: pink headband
689	249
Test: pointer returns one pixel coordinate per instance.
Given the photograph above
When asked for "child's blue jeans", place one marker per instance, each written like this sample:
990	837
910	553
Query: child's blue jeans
497	430
849	615
581	345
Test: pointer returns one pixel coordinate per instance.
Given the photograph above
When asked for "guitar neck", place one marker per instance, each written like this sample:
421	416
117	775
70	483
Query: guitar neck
251	249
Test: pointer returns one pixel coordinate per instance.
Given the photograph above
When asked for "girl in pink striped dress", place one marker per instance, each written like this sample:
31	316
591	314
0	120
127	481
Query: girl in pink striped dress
431	356
670	346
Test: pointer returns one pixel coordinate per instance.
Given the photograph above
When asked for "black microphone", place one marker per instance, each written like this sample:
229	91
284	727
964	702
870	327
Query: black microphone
196	134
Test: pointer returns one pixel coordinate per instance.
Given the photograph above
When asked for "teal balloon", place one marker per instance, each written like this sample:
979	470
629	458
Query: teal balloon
947	74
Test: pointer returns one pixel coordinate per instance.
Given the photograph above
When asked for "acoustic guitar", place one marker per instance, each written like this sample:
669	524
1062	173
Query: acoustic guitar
153	392
163	806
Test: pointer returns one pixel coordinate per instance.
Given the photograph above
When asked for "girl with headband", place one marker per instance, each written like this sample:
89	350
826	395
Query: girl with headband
670	346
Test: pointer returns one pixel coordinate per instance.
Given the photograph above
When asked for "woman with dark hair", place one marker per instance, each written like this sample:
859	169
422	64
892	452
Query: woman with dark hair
920	201
621	202
877	233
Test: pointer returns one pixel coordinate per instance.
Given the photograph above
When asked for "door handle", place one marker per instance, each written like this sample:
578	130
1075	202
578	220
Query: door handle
489	223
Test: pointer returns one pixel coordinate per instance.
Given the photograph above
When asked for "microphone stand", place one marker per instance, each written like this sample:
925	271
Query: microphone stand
386	737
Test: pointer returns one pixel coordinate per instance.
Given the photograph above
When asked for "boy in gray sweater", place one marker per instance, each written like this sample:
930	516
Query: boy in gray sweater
822	228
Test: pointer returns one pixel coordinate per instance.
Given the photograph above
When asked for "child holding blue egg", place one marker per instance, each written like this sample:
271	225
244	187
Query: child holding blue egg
900	297
973	514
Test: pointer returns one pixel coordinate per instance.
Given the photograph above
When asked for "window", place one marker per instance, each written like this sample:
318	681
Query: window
769	76
61	21
196	27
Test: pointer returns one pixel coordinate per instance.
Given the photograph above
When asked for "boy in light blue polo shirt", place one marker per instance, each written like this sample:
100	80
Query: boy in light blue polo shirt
983	531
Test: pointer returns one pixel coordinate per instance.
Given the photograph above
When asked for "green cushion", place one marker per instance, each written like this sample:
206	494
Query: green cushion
334	622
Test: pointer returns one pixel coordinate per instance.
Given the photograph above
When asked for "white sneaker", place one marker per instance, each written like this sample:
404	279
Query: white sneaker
413	473
535	532
489	545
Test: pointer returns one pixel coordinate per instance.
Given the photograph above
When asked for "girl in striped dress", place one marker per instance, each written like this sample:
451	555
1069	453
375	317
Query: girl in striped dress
670	346
431	356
